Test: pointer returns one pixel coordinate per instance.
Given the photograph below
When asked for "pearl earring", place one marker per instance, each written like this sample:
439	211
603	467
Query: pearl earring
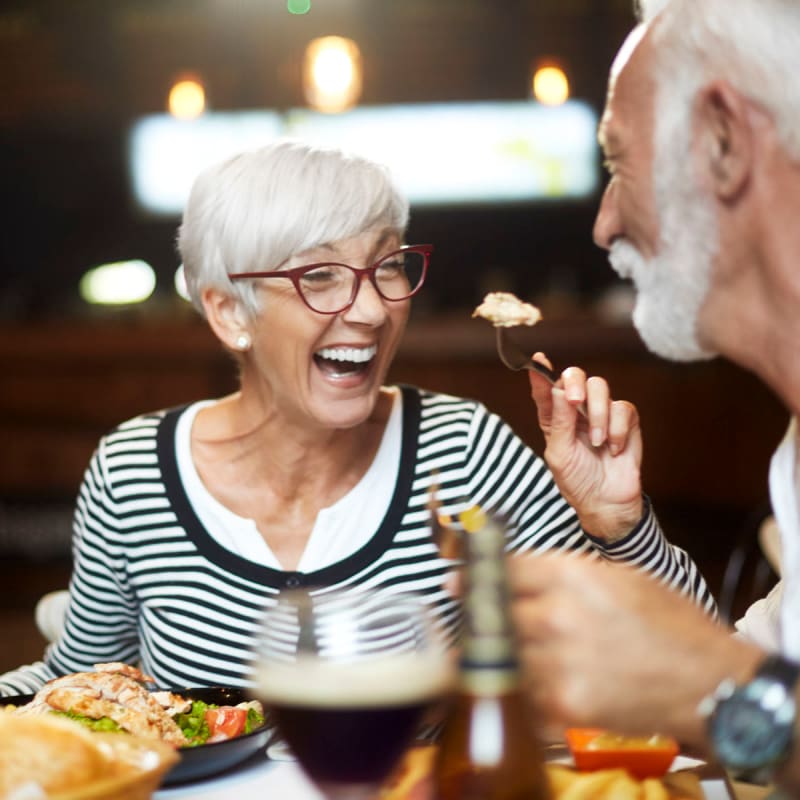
243	341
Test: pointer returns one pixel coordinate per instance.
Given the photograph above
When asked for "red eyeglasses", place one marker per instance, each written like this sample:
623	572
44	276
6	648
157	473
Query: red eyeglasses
331	288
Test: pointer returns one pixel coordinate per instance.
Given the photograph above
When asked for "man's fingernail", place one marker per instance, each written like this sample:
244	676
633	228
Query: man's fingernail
597	436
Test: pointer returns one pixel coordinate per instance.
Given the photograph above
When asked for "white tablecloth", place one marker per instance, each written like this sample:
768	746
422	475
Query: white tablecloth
257	779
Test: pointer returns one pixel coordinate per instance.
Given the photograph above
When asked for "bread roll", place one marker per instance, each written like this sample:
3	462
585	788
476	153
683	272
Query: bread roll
46	756
48	751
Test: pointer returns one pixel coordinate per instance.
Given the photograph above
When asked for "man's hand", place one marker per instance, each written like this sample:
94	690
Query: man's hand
606	646
595	460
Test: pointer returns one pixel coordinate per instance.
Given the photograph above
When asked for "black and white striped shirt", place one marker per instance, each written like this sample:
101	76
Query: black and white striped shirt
150	584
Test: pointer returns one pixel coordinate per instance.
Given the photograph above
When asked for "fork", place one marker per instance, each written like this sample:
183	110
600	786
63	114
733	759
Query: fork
514	357
446	538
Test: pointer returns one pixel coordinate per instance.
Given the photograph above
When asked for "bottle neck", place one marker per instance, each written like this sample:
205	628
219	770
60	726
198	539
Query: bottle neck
489	662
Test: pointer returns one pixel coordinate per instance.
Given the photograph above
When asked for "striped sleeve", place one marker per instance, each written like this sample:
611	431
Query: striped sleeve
101	620
507	478
646	547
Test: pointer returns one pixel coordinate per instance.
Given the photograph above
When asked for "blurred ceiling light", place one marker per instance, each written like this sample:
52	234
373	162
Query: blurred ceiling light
550	85
187	99
298	6
120	283
332	74
180	284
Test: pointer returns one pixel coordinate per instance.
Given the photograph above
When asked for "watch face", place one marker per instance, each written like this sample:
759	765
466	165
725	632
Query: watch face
749	733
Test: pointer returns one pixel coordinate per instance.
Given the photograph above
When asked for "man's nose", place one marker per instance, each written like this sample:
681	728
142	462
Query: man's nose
607	225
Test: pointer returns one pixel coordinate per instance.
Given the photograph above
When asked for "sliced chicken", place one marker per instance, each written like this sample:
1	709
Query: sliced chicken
108	694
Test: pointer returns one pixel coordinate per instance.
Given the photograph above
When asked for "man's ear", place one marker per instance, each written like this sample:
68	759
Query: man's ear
726	138
227	319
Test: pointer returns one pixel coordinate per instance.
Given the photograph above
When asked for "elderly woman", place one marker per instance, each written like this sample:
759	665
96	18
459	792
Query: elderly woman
190	521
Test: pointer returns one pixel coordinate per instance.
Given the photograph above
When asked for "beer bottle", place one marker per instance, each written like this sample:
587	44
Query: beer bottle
488	750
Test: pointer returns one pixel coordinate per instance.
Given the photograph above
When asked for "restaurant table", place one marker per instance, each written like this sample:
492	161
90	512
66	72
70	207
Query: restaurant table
259	778
744	791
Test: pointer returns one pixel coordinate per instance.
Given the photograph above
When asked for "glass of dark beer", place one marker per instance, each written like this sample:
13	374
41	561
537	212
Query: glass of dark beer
348	677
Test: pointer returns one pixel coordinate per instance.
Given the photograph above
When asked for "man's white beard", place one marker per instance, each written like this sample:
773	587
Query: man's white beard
672	286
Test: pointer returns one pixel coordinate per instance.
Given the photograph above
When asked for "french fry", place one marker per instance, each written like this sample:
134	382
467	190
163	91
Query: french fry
411	781
654	789
683	786
593	785
616	784
561	778
623	787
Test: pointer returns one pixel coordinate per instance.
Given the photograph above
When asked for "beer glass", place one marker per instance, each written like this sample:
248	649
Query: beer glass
348	677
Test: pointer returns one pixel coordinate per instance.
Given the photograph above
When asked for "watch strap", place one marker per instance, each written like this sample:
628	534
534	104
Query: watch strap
770	695
780	669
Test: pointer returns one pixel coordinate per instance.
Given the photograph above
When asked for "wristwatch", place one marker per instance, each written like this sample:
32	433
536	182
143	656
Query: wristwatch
751	727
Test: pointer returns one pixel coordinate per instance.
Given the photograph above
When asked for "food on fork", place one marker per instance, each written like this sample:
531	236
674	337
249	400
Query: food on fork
115	698
505	310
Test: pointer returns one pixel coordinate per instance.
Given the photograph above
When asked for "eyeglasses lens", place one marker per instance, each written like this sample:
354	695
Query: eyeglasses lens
329	287
400	274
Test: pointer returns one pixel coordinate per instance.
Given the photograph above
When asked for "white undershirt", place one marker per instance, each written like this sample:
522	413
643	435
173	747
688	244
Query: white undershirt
339	530
774	621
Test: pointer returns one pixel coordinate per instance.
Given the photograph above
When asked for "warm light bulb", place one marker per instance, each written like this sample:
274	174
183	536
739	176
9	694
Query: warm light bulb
332	71
187	99
119	283
332	74
179	282
550	86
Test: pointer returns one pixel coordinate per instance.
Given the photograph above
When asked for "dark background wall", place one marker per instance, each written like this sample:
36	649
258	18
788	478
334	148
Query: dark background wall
74	76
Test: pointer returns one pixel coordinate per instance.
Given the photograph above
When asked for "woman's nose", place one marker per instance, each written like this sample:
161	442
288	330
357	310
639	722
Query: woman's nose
368	306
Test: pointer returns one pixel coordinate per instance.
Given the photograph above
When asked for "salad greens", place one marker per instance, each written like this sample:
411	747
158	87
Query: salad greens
254	720
105	724
193	723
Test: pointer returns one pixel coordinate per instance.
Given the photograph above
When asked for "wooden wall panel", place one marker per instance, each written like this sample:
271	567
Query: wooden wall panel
709	428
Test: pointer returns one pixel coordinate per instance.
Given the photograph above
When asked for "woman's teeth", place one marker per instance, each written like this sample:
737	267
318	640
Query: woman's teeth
356	355
340	361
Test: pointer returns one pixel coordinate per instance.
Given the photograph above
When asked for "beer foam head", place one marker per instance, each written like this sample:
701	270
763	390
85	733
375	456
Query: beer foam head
393	681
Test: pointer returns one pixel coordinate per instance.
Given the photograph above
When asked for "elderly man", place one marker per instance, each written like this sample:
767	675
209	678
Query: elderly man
701	134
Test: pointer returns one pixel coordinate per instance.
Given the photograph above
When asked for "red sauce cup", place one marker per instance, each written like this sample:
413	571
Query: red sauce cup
640	760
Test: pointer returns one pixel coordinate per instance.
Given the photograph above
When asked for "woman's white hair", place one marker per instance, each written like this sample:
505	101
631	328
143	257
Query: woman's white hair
753	44
257	209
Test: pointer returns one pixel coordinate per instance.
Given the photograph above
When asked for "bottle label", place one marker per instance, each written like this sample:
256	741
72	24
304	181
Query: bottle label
483	682
488	631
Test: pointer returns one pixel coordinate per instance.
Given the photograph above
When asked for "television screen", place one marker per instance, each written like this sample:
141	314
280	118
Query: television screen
440	153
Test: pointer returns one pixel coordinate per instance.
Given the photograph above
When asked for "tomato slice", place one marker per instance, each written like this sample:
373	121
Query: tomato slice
225	722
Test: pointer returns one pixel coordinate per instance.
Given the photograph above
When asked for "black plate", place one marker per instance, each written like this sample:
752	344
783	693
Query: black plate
205	759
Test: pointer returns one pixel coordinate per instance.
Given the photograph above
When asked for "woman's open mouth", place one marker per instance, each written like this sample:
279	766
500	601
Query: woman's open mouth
343	362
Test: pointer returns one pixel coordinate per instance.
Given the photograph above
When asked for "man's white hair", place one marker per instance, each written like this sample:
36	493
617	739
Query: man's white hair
752	44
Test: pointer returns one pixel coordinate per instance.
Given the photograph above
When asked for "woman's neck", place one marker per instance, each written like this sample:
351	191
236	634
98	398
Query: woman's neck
241	447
